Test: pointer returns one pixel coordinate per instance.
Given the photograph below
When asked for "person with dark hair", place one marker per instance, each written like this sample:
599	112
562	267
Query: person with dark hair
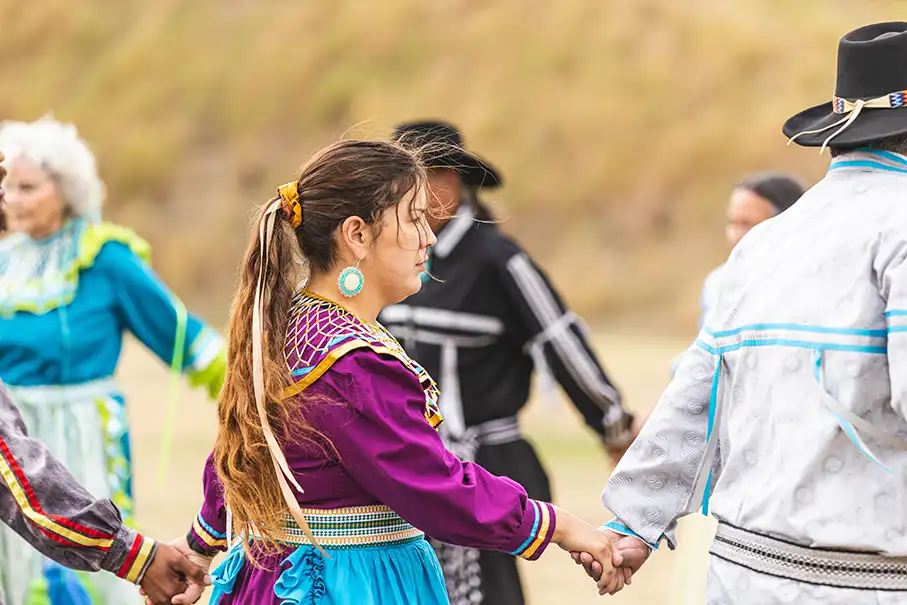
328	466
756	198
488	319
787	417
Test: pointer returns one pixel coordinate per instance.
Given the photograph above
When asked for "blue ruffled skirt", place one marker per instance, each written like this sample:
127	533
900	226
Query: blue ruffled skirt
403	574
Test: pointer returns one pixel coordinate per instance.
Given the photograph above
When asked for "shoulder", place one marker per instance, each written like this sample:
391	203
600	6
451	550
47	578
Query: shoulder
495	247
710	284
370	362
366	378
326	343
11	241
107	244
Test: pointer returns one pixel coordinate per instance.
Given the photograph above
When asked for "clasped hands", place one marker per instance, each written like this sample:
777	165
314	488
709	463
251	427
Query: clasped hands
177	575
608	557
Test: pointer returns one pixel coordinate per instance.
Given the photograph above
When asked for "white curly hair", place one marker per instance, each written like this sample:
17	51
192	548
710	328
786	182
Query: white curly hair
58	149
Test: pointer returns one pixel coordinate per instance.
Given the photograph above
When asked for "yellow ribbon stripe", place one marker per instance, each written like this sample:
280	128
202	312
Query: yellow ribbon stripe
39	518
140	559
207	537
540	534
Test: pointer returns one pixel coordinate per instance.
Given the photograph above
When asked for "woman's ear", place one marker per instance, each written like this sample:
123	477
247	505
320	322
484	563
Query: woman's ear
356	237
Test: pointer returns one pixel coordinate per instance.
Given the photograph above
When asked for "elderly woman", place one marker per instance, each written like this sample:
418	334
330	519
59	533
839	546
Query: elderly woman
70	287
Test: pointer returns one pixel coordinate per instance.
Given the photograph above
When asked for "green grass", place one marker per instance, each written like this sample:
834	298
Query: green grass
620	125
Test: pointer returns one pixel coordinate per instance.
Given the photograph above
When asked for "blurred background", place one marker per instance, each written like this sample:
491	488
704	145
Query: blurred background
620	127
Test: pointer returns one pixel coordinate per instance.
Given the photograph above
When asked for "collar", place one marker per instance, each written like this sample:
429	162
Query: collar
454	232
870	159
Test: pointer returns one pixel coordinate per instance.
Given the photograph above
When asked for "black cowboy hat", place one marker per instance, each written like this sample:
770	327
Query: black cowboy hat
442	147
872	66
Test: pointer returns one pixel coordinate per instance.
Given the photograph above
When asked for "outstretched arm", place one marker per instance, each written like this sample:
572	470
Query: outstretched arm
555	339
666	473
160	321
45	505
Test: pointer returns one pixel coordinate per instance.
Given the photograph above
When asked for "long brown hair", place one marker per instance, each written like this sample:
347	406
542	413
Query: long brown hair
350	178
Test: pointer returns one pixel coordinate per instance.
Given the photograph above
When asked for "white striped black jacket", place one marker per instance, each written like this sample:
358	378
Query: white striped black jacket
493	317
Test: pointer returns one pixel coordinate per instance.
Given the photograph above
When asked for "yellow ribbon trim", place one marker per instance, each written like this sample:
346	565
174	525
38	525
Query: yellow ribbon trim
9	477
208	538
139	563
540	536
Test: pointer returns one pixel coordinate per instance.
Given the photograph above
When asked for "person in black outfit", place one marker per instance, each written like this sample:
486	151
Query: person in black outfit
485	318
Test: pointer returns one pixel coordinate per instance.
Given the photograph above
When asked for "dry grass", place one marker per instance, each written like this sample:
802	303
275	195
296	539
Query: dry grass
576	463
620	125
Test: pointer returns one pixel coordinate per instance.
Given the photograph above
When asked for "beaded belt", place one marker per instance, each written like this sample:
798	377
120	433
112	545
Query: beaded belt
352	527
841	569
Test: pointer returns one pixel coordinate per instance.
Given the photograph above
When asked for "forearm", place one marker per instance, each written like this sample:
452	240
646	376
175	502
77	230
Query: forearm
662	476
50	510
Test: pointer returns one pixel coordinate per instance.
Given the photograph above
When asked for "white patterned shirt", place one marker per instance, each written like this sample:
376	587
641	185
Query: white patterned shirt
806	343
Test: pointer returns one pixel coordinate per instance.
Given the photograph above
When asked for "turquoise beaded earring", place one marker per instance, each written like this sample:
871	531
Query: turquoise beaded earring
350	281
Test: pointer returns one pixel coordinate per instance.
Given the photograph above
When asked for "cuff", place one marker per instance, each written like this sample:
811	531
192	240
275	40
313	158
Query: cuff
204	539
130	555
207	365
619	528
536	530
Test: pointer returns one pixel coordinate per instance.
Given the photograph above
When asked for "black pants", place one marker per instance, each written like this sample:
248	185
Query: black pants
500	579
518	461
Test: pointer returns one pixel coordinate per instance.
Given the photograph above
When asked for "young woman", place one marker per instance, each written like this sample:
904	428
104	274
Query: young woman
328	466
70	287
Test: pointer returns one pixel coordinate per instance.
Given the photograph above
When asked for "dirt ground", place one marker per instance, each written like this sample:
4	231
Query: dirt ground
577	465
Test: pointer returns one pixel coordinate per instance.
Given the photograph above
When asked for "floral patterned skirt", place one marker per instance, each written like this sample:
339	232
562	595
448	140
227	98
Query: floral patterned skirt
85	427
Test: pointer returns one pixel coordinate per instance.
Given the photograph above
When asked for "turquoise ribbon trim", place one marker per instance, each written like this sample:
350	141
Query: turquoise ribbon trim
846	426
785	342
867	164
210	529
623	529
713	406
799	328
886	154
535	528
877	159
818	347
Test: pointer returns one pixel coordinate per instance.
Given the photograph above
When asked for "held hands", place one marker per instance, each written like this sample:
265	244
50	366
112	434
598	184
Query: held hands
177	575
577	536
632	553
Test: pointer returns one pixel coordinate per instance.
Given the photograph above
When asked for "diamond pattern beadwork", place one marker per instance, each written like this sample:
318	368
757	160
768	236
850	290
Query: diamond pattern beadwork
321	331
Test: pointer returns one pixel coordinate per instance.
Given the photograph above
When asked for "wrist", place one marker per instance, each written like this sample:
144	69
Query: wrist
199	547
562	525
618	435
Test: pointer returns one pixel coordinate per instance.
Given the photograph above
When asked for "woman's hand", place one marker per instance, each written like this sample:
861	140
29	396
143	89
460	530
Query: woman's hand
195	588
632	553
575	535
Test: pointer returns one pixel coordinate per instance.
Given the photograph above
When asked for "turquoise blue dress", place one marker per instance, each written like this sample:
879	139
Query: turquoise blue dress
65	305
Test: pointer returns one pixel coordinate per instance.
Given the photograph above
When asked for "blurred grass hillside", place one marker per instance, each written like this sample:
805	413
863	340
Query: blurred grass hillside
619	125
